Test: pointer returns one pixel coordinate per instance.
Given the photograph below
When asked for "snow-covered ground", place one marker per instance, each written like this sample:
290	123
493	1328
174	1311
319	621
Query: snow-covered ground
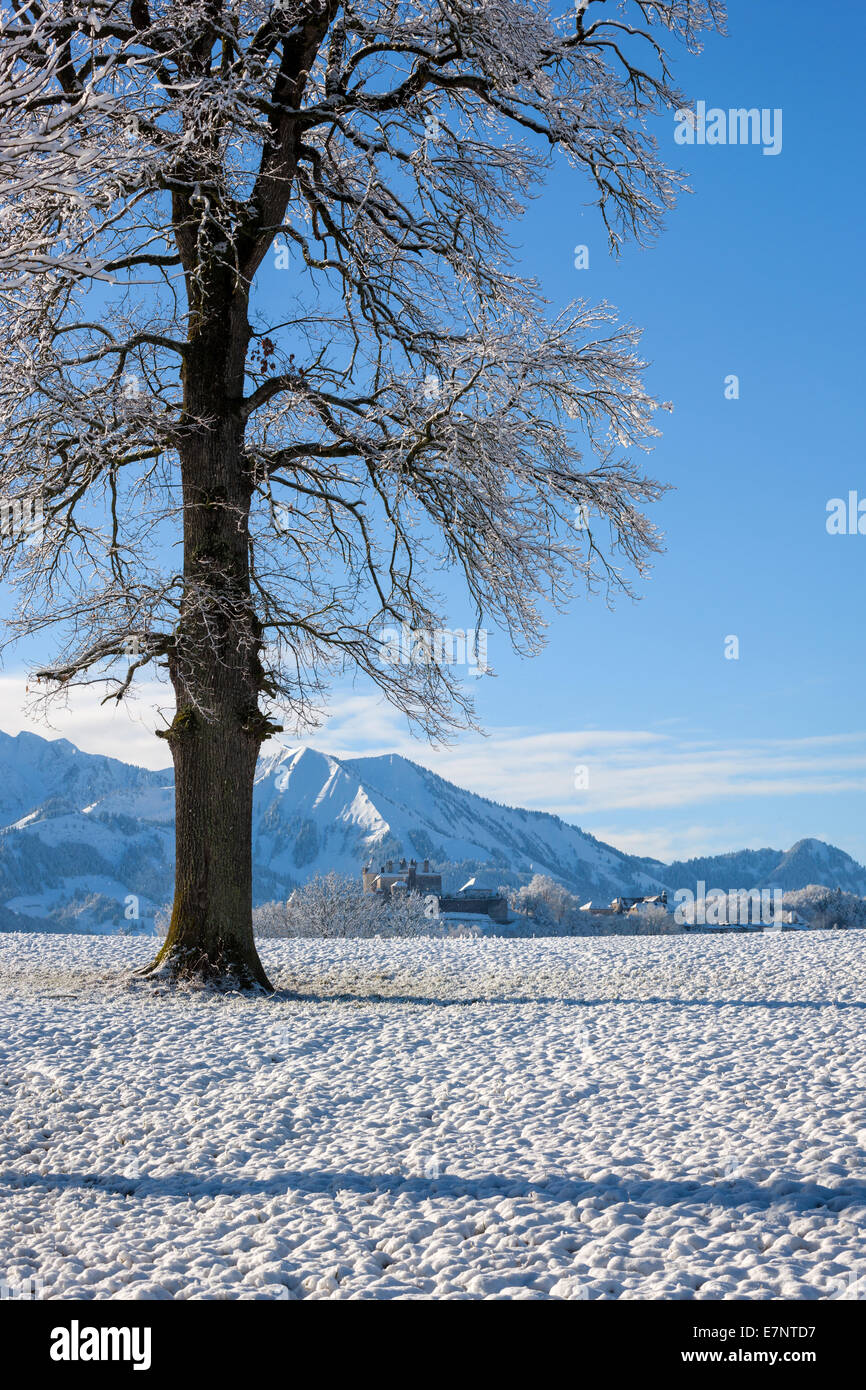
671	1117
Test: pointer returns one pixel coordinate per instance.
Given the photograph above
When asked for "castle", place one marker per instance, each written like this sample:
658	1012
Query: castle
406	875
469	899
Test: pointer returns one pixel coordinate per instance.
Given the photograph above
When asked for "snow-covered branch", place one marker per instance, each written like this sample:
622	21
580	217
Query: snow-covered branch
255	271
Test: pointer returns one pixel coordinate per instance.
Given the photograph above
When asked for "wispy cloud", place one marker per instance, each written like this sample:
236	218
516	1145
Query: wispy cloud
125	731
624	769
630	775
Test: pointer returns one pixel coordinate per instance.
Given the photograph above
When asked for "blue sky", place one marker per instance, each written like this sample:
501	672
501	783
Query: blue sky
759	273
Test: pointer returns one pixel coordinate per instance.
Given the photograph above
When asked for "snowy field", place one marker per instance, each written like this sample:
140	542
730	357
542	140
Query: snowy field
674	1117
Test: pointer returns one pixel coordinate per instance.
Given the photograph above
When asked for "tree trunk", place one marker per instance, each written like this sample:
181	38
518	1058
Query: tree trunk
216	671
210	937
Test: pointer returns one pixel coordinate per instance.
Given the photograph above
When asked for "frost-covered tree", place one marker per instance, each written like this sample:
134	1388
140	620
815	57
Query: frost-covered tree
550	909
267	364
332	905
545	900
329	905
824	907
406	914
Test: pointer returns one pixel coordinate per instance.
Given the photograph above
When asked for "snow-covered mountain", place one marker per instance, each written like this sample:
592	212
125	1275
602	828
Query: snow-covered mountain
314	812
88	843
808	861
34	770
83	847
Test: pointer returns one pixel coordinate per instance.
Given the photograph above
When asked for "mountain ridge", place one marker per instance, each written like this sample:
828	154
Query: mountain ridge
87	842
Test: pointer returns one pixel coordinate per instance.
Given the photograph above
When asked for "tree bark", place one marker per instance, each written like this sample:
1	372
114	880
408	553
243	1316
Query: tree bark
211	932
217	675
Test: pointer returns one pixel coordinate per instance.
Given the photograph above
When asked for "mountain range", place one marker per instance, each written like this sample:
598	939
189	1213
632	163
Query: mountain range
88	840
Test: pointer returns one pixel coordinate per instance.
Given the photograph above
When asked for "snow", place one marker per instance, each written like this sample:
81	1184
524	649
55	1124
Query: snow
70	815
359	810
645	1117
155	804
37	905
33	769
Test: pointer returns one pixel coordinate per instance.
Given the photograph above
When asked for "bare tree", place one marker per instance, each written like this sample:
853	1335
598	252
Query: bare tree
404	404
334	905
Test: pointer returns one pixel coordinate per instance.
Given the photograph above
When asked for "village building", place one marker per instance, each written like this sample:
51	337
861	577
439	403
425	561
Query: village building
636	907
622	905
470	900
406	874
474	900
